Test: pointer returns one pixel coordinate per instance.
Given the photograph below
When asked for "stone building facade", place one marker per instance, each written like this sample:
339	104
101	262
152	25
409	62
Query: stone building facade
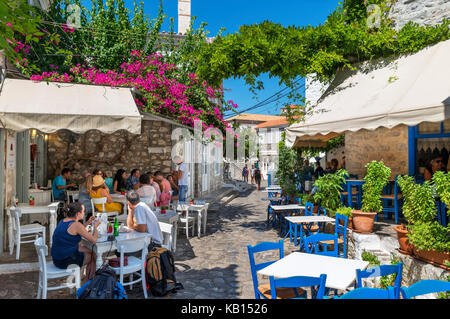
382	144
422	12
150	151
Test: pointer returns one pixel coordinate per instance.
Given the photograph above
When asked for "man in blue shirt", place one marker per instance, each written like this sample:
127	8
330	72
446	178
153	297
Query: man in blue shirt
133	181
60	184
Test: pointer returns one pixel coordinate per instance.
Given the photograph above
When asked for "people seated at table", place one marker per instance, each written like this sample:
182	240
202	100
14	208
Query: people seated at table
132	182
155	185
67	248
334	166
109	182
59	184
318	172
308	171
433	166
120	180
174	185
83	193
97	171
146	190
164	198
142	219
99	190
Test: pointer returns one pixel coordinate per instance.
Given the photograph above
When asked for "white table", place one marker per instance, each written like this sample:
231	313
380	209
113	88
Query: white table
341	272
279	209
170	217
201	209
102	246
309	219
26	209
305	220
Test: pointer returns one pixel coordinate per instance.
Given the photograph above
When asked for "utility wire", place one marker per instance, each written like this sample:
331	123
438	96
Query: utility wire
274	98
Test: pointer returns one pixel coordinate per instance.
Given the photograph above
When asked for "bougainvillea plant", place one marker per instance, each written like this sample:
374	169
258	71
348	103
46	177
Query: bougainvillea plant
162	89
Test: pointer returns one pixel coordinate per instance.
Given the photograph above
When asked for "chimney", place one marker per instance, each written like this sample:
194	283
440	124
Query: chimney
184	16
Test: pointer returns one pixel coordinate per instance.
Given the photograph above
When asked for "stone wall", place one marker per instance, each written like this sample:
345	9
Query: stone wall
419	11
150	151
382	144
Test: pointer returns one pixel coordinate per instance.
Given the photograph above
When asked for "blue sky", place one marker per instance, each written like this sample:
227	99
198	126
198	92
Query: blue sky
231	14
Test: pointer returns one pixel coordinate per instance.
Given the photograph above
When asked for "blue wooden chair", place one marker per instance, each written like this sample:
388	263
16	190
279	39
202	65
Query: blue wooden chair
271	217
424	287
392	202
310	228
383	270
263	291
317	286
344	193
315	244
369	293
340	234
291	226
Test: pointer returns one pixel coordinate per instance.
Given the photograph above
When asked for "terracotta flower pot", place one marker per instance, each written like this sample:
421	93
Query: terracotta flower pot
405	246
349	223
363	221
315	209
433	257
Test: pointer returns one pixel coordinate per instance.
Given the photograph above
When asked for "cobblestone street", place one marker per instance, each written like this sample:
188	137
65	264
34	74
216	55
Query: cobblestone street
216	265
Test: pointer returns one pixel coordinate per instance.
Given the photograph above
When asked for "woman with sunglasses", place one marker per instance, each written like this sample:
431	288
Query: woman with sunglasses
435	165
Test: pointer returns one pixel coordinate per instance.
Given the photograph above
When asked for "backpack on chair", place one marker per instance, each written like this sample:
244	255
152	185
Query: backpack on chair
160	272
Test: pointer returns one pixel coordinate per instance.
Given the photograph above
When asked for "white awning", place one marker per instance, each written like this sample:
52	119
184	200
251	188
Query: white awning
382	93
52	106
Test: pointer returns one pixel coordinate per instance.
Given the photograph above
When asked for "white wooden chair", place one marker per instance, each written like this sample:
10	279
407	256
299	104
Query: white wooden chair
185	221
135	265
150	201
49	271
23	233
166	230
102	201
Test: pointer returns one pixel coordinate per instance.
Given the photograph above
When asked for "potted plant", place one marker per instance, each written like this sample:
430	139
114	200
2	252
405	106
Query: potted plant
431	243
407	186
418	207
375	180
430	240
346	211
328	189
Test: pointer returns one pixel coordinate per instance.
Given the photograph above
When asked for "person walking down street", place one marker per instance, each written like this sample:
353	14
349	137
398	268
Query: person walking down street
245	173
252	174
258	177
183	181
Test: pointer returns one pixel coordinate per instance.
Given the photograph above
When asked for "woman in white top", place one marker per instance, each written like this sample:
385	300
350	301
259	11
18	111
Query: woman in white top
146	191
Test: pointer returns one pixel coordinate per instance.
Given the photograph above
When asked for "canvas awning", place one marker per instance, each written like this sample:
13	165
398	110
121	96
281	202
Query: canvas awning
382	93
49	107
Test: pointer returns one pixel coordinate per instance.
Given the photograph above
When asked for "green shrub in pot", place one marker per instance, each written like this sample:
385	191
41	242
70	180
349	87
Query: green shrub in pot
346	211
430	236
441	181
329	189
376	179
418	200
